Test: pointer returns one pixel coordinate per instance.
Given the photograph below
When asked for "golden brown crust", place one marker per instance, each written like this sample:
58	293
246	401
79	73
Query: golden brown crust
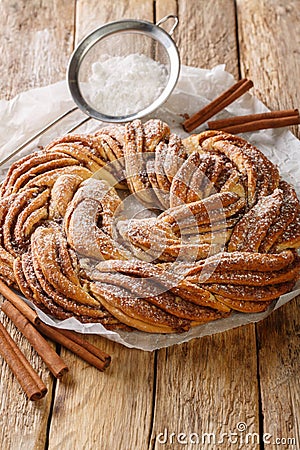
245	306
141	313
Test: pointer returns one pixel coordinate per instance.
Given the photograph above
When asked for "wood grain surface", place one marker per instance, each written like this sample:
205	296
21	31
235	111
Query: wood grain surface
201	389
37	39
208	386
270	50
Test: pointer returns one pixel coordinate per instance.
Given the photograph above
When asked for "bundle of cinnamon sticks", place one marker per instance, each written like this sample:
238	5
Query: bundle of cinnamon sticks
240	124
29	324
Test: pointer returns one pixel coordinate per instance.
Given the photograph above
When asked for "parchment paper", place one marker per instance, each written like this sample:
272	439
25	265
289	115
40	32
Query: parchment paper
27	113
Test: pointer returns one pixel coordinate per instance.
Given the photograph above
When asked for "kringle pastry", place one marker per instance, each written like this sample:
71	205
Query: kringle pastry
220	233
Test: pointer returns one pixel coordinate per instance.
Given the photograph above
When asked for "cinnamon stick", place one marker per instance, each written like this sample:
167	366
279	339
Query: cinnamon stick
52	360
88	352
90	347
223	100
29	380
68	339
22	306
262	124
222	124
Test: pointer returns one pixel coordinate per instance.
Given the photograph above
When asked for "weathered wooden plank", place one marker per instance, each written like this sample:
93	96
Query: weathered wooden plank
165	7
37	38
92	14
279	368
35	43
270	57
204	390
206	36
269	47
110	410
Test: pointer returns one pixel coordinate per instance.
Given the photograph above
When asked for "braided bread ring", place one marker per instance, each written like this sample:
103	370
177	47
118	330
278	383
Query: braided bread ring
221	235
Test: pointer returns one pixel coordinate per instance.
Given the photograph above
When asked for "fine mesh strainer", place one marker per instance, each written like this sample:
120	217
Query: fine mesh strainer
139	36
124	70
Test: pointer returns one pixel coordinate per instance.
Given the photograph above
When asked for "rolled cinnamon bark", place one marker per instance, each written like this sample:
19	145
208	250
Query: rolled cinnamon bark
255	122
223	100
52	360
221	124
80	347
29	380
29	313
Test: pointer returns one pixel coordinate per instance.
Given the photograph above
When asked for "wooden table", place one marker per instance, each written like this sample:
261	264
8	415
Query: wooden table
249	375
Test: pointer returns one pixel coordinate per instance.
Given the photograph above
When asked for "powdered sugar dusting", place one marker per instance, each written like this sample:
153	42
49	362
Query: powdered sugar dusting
123	85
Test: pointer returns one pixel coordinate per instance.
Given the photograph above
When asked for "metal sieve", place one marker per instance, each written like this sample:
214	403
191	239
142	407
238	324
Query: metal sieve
124	70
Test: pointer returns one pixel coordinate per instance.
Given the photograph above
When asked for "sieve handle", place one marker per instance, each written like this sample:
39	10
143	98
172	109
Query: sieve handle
164	19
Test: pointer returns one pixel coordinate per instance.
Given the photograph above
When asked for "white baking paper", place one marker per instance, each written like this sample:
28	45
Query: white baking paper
30	111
